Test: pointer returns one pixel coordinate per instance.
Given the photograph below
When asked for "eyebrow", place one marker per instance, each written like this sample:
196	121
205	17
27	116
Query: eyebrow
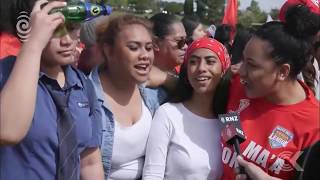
252	61
249	59
206	57
139	42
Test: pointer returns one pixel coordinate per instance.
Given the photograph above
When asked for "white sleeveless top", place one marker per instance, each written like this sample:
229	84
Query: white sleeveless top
129	148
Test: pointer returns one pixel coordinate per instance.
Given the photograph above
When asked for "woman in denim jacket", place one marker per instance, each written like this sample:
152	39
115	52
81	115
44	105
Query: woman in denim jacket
127	47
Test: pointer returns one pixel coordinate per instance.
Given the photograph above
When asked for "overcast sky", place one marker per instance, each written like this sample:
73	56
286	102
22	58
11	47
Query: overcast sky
265	5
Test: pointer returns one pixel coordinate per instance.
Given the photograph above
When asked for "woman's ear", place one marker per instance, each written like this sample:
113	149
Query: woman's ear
156	42
284	71
156	47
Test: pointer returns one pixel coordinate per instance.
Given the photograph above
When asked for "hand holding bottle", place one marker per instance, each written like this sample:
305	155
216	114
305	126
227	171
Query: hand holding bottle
44	24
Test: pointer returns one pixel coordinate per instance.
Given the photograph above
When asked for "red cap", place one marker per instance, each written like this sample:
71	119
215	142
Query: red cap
313	5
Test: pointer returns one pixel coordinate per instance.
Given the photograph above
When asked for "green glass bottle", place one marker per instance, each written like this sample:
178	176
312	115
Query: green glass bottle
79	12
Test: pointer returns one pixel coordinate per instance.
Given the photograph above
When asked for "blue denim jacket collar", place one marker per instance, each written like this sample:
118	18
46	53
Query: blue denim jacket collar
94	76
107	123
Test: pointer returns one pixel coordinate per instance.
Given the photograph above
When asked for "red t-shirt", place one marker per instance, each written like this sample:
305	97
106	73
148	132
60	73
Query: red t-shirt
276	135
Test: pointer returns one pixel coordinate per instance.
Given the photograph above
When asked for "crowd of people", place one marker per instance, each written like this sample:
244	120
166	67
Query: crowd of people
124	97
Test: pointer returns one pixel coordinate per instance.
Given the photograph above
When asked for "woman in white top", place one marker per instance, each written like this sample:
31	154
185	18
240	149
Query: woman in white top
184	140
126	44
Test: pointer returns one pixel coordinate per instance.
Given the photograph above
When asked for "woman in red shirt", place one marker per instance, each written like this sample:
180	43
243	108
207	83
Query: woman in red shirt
279	114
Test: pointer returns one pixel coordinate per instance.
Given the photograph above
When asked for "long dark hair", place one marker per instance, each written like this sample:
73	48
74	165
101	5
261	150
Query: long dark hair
223	35
309	75
240	41
190	23
184	91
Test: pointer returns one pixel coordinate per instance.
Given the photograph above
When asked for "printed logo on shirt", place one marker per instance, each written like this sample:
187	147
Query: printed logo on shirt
267	160
280	137
256	153
83	104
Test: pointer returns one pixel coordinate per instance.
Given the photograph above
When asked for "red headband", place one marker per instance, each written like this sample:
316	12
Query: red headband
313	5
213	45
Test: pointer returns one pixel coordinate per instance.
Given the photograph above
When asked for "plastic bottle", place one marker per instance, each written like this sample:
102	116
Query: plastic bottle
79	12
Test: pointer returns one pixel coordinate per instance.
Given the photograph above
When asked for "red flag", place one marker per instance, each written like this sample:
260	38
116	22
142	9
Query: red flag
231	15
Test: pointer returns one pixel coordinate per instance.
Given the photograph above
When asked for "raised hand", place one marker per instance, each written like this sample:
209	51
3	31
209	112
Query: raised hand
43	24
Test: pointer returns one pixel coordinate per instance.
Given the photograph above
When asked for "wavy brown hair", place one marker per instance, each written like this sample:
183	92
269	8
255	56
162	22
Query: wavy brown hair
108	31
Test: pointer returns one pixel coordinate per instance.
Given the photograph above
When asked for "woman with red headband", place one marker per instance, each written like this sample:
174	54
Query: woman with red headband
184	140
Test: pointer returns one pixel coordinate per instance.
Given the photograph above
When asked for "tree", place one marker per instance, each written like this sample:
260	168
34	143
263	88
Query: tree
118	3
216	9
254	6
210	10
188	7
174	8
252	15
141	5
260	16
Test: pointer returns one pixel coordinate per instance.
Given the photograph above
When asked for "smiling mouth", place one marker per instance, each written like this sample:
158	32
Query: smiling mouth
66	53
142	67
202	79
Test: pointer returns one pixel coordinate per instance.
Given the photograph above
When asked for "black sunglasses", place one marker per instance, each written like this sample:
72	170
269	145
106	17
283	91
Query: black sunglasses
180	43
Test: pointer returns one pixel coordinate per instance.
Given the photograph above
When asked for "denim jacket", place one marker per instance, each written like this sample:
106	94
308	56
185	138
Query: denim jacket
152	98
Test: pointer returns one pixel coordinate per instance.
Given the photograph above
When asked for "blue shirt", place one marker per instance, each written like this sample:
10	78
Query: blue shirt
153	98
36	156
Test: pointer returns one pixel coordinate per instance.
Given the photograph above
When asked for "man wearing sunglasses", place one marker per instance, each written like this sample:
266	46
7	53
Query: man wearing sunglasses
170	45
178	43
47	124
